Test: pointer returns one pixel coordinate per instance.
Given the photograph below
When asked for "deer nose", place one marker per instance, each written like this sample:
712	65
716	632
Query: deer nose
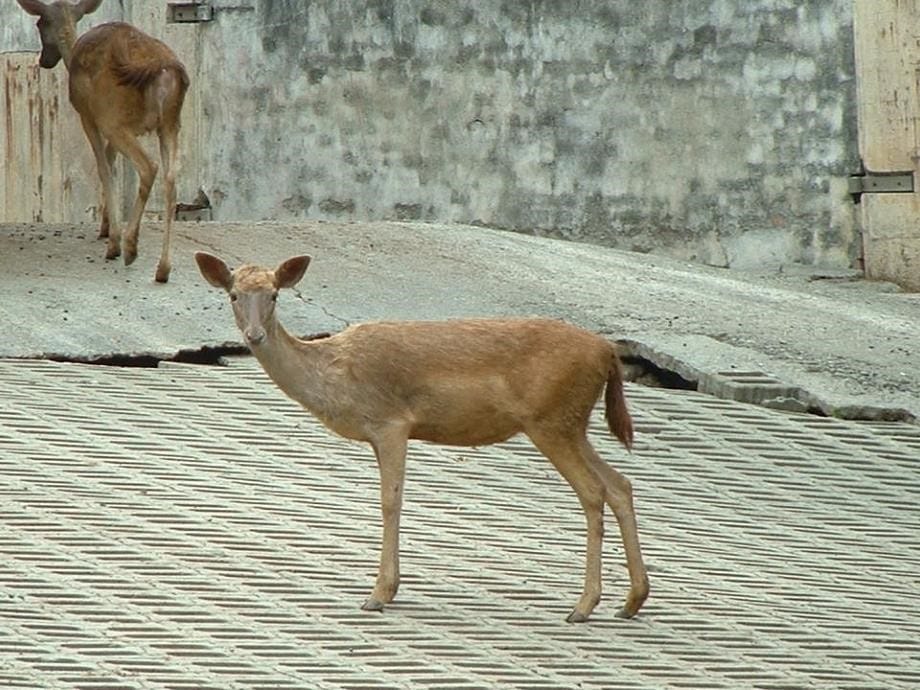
254	336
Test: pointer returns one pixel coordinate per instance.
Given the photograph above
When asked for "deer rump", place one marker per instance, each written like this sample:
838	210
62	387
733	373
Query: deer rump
146	74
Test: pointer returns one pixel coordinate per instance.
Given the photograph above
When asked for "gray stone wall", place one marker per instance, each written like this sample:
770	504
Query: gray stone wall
714	130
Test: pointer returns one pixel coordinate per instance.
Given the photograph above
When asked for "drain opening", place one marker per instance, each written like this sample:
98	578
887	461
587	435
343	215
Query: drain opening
750	387
645	372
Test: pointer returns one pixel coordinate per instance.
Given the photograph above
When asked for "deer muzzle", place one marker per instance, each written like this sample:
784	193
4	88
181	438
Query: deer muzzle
254	335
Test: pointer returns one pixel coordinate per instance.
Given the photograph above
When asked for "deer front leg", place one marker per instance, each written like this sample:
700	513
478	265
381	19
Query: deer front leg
391	461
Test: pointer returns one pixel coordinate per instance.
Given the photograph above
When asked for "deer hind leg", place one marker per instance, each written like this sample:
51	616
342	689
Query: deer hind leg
168	156
619	496
565	453
128	146
105	218
391	461
105	156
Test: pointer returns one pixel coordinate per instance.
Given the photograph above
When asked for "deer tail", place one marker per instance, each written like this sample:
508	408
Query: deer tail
169	90
618	419
163	75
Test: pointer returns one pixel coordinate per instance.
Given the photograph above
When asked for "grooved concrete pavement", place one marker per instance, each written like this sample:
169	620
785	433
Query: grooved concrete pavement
188	527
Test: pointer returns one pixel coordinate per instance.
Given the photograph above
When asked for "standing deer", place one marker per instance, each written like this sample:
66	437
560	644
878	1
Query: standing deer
464	383
123	83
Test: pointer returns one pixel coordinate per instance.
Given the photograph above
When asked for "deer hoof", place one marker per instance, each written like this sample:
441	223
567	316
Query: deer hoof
162	275
373	604
112	252
634	602
130	256
576	617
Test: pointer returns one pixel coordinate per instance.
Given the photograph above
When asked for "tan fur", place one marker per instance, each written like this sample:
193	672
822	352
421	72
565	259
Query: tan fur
123	83
466	382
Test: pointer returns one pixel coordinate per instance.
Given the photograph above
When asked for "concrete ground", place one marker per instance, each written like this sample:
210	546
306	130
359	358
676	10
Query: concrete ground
186	526
821	340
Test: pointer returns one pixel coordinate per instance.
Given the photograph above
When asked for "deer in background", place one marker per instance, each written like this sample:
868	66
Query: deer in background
123	83
465	383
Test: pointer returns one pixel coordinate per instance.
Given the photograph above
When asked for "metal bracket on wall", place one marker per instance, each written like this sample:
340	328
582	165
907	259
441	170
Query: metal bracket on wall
189	12
878	183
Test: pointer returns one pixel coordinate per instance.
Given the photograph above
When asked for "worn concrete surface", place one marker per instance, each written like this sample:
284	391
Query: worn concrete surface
851	346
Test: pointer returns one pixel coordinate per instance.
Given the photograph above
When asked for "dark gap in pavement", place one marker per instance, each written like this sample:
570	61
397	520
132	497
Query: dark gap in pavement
753	388
207	355
645	372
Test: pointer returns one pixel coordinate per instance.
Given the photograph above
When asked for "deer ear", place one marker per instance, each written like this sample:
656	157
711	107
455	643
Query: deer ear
289	272
214	270
35	7
85	7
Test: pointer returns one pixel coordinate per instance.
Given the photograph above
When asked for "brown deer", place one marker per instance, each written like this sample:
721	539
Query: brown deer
465	383
122	83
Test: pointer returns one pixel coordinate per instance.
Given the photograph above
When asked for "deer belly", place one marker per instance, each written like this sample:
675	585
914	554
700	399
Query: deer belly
344	426
466	427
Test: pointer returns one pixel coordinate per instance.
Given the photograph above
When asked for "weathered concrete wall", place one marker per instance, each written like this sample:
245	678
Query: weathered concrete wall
714	130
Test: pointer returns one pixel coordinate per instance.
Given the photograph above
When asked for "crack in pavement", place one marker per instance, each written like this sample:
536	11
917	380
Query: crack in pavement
306	300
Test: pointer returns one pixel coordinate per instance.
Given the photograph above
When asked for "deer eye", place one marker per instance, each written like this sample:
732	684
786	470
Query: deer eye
233	297
274	297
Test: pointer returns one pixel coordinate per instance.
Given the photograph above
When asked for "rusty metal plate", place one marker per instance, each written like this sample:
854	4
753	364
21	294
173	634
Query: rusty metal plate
188	527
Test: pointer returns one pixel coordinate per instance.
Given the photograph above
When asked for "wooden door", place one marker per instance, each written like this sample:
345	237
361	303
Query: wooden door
887	46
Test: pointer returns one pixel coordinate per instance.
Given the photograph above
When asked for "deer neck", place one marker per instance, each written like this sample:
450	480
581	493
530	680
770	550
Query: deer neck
65	42
297	367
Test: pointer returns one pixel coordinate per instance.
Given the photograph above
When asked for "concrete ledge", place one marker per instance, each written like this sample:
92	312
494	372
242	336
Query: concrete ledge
719	369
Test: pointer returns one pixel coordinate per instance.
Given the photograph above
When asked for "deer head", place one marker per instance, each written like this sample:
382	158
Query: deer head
57	23
253	290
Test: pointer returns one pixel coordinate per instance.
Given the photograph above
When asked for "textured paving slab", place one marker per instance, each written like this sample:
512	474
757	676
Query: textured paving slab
188	527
